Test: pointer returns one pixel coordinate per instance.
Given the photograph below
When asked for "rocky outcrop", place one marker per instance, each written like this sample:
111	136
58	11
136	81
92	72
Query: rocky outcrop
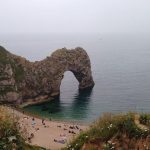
21	80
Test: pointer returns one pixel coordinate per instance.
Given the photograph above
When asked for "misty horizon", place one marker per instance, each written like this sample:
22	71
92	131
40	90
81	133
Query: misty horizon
74	16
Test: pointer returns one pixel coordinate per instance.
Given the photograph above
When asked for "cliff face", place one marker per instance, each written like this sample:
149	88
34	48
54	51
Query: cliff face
21	80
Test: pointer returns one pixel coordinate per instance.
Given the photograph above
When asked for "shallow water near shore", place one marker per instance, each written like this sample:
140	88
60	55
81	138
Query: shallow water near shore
120	66
66	110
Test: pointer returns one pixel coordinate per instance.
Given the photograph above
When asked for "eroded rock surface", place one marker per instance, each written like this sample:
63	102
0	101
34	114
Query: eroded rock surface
21	80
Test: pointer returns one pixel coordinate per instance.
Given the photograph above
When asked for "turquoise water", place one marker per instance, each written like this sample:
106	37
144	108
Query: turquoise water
120	66
76	110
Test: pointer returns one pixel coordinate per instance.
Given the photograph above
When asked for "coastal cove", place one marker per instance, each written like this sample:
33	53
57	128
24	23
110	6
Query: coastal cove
120	66
75	75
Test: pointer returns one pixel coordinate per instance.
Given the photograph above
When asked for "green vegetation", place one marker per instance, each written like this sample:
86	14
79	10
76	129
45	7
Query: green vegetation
145	119
18	72
10	137
4	59
112	132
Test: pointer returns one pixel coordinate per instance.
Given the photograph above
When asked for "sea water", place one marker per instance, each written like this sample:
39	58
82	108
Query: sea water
120	67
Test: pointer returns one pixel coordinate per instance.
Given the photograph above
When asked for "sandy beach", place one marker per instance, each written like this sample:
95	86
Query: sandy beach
51	135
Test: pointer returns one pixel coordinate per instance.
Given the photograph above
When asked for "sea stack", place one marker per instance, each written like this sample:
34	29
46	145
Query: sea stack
22	80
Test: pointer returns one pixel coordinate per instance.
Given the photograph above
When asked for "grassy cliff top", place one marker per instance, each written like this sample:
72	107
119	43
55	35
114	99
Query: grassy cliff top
3	50
115	132
4	55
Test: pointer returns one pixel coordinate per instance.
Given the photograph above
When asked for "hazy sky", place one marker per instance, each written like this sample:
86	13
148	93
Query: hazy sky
67	16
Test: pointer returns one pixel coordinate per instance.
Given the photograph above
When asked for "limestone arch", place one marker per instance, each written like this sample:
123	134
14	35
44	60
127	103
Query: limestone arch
76	61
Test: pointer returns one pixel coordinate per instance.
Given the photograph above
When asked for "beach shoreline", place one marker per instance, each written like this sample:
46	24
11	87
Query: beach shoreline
20	109
46	135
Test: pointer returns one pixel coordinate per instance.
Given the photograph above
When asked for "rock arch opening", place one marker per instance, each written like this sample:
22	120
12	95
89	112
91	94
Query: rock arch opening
69	83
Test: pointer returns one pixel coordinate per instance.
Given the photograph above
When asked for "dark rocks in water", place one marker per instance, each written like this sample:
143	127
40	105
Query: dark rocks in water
21	80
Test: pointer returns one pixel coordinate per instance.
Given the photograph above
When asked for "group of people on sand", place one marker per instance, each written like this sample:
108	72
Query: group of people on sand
33	123
71	129
62	139
74	128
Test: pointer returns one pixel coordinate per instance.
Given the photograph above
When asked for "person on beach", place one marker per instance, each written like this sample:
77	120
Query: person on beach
30	138
33	122
62	141
43	122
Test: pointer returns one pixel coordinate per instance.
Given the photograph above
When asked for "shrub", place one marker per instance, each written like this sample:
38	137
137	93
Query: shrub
145	119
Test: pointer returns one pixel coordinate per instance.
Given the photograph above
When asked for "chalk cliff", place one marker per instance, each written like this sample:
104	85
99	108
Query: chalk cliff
21	80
